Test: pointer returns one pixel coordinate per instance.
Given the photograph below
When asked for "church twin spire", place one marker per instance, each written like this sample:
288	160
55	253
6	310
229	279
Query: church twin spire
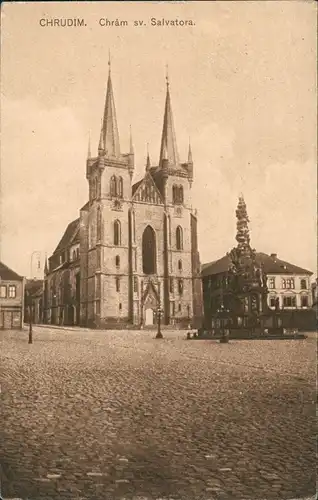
109	137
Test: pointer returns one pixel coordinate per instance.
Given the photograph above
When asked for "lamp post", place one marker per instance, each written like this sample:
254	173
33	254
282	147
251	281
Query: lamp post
188	309
159	313
222	312
29	296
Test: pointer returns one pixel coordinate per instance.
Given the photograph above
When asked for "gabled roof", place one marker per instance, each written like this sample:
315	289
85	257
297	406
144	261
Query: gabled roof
272	265
148	175
70	236
7	274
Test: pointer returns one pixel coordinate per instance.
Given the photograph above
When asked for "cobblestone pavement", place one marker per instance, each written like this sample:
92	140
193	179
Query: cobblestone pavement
112	415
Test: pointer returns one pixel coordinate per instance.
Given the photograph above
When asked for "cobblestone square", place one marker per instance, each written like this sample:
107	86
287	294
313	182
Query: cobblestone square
112	415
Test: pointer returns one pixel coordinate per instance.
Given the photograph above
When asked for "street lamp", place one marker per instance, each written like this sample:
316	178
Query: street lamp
222	312
159	313
30	316
188	309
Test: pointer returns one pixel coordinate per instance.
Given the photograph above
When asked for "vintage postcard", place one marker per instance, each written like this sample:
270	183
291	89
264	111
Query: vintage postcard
158	267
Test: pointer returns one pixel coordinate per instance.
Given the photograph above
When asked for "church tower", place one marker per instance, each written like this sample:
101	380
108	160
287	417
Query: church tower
167	258
104	226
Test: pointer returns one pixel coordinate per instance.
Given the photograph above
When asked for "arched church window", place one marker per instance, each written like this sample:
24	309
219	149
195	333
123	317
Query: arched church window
181	194
180	265
174	194
179	238
120	187
117	235
117	260
149	251
113	185
180	287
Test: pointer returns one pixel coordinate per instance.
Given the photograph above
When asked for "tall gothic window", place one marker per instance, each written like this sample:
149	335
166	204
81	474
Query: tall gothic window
177	194
120	187
179	238
117	235
117	261
113	186
180	265
149	251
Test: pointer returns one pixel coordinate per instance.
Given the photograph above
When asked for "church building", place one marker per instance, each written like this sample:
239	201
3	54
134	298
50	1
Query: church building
133	252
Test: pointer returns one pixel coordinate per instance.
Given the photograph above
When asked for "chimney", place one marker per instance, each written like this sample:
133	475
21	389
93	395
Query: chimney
274	255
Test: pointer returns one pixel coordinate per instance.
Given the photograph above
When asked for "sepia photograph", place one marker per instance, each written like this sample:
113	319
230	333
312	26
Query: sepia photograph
158	250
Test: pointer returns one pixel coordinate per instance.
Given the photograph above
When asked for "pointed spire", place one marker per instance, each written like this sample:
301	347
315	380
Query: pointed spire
148	164
168	138
89	154
165	152
190	153
101	139
131	147
110	136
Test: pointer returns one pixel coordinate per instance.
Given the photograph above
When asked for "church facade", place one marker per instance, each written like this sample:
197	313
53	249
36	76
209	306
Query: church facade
133	252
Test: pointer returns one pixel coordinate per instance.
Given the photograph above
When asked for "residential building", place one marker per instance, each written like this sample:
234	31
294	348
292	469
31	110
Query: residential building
289	287
132	253
11	298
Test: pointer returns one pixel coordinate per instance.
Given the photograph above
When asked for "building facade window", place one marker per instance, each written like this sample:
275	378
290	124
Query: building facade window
177	194
135	284
149	251
12	292
179	238
303	284
180	265
117	233
3	291
117	284
289	301
180	287
112	186
117	261
271	283
171	285
179	307
120	187
288	283
304	301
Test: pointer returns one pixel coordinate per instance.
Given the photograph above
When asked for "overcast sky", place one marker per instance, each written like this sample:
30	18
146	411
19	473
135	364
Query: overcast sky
243	87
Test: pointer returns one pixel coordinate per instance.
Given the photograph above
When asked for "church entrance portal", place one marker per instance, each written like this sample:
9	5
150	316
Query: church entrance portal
149	316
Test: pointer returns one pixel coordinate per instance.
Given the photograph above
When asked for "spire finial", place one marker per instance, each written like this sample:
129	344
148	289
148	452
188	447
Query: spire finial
131	141
190	153
109	61
167	75
148	165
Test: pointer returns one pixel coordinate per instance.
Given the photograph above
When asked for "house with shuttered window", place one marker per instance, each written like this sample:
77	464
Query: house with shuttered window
11	299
